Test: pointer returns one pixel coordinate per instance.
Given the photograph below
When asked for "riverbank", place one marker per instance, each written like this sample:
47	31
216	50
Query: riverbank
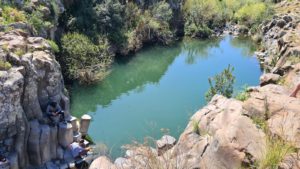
260	132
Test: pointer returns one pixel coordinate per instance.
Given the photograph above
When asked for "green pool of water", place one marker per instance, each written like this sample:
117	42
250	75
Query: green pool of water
159	88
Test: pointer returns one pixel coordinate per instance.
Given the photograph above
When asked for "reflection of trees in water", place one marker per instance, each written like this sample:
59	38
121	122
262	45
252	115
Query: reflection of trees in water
199	49
247	46
146	67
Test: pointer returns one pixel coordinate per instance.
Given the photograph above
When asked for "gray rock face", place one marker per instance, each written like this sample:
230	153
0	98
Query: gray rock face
25	90
65	134
34	151
53	144
281	36
45	143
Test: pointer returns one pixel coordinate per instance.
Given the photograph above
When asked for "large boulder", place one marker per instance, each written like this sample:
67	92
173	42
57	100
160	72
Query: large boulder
266	101
282	112
269	78
102	163
285	123
228	130
165	143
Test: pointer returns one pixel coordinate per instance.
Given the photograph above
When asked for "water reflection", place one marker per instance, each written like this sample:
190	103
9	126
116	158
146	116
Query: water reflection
160	87
195	48
146	67
247	46
128	74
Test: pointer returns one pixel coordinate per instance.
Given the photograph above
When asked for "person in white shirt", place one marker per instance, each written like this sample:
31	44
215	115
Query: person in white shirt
79	149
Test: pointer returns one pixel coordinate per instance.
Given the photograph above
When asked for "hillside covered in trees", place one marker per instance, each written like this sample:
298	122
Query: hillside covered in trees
90	33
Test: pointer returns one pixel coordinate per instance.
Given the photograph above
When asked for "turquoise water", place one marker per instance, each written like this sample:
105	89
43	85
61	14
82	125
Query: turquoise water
159	88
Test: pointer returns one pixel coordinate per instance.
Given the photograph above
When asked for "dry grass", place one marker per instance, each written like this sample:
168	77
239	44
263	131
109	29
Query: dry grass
277	149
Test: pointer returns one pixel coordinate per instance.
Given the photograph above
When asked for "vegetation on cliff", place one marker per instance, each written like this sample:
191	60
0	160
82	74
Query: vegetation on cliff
83	59
120	28
203	17
37	18
221	84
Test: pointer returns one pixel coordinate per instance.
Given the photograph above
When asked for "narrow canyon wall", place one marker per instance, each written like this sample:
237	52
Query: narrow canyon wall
33	80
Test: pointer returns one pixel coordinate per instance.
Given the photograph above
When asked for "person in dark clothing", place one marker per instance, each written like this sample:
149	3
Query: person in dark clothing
2	158
55	112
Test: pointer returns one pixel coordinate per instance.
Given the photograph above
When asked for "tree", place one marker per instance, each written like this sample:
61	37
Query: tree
201	16
109	19
83	59
162	12
221	84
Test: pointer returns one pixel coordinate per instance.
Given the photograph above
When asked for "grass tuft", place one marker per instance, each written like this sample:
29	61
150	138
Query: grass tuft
195	127
4	65
277	149
53	46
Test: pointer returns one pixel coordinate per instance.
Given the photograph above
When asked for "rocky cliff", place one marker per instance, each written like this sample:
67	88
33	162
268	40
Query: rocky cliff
26	86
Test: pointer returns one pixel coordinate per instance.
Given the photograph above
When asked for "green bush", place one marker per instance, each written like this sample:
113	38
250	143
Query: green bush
195	125
200	32
11	15
132	16
20	52
251	14
53	46
201	16
84	60
221	84
151	25
242	96
109	20
4	65
162	12
36	20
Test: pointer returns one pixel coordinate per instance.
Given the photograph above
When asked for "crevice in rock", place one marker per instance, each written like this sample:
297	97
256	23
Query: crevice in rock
204	150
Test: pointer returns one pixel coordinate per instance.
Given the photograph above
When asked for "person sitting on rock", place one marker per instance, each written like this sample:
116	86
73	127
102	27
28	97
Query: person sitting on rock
295	91
2	158
79	149
55	113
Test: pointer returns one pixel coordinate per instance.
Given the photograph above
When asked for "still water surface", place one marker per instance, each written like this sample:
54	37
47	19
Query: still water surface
159	88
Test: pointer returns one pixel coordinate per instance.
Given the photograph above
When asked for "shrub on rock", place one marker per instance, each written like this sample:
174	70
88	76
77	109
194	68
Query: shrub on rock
83	59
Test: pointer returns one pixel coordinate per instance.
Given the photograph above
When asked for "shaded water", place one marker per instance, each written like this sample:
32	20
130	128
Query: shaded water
160	88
